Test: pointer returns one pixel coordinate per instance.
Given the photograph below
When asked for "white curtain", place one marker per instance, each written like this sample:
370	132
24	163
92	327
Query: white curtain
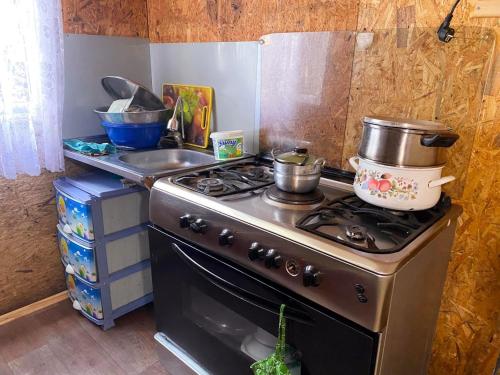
31	87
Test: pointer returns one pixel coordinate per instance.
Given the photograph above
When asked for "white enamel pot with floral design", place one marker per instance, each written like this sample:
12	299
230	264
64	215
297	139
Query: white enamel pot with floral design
397	188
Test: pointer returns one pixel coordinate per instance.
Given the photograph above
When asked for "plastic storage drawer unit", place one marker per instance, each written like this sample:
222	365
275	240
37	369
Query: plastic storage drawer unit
104	246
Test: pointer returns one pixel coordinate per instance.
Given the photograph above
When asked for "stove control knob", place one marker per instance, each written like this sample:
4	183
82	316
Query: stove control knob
256	251
226	238
185	221
312	277
199	226
272	259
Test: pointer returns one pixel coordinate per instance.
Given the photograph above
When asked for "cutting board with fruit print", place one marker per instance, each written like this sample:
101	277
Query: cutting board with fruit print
197	109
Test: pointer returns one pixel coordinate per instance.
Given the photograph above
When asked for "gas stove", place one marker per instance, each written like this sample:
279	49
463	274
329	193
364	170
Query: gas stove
379	269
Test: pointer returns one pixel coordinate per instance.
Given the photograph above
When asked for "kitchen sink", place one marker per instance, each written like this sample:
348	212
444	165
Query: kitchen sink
166	159
145	167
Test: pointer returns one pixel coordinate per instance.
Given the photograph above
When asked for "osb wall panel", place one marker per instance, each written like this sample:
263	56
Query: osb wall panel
239	20
408	73
30	268
386	14
106	17
467	339
305	91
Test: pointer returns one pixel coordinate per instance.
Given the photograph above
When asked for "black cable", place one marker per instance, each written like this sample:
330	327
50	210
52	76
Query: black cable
454	6
445	32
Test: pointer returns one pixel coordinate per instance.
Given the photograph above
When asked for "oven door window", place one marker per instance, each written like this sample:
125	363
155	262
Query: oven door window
227	319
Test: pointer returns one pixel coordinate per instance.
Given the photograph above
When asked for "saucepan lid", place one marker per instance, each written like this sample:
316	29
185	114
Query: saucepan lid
298	156
393	122
123	88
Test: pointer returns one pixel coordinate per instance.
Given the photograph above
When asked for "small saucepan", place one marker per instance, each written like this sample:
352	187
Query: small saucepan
297	171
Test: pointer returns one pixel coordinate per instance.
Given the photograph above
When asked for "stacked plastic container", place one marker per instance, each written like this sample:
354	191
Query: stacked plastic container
103	241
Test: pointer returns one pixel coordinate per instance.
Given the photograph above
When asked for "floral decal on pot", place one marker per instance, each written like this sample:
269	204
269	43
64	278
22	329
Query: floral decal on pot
384	185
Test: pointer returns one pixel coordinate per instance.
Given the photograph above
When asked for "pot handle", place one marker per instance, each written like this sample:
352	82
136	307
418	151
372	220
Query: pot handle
439	140
441	181
320	161
354	163
273	152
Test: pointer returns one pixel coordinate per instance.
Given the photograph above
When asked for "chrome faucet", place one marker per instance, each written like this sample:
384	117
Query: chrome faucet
173	124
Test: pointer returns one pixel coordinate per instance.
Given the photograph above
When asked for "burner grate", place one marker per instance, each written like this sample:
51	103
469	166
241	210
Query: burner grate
360	225
223	181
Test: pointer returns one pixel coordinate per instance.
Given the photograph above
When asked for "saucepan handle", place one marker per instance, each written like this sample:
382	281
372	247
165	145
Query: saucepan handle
441	181
438	140
320	161
354	163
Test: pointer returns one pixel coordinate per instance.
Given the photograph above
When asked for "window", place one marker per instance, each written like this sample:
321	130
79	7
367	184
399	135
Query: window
31	87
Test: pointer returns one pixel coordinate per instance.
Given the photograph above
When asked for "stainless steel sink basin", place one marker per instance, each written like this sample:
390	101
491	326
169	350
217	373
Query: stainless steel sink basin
166	159
146	167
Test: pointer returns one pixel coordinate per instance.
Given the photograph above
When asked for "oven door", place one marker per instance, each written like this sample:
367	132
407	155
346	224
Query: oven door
226	318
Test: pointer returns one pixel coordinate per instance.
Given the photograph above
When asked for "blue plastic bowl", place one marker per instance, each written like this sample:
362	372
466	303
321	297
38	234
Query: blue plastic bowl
134	135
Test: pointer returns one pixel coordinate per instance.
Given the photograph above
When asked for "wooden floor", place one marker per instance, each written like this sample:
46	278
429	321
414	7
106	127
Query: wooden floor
60	341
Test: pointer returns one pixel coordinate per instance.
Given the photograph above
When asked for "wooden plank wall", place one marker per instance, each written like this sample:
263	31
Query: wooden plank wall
467	340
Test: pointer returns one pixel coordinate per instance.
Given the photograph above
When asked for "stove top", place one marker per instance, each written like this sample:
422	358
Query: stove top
362	226
227	180
331	220
347	220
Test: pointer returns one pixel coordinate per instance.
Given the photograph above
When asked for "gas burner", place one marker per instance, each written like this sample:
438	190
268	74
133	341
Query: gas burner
355	232
233	179
368	228
277	195
209	185
255	173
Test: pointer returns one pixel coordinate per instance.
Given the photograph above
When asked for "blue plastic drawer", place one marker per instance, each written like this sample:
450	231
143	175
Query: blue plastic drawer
79	255
88	298
75	214
116	207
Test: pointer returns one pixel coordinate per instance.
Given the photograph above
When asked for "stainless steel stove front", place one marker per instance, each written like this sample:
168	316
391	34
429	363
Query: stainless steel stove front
396	295
352	292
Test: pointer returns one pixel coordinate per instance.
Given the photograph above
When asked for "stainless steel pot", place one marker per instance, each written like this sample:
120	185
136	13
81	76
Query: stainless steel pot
297	171
404	142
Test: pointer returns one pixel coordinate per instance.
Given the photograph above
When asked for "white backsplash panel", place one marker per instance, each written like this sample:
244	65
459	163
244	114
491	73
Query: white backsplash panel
88	58
231	68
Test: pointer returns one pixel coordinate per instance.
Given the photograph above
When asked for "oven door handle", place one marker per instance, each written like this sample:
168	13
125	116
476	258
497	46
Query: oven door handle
239	292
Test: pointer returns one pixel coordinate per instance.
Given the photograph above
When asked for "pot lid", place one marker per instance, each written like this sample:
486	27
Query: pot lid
403	123
123	88
298	156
